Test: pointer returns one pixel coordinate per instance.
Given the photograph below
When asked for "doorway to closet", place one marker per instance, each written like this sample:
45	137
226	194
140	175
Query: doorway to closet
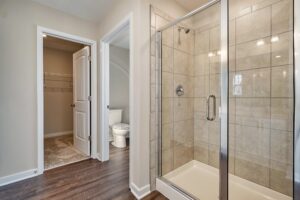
66	102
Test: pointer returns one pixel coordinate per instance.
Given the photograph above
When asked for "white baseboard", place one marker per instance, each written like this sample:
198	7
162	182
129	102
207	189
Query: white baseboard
56	134
140	193
18	177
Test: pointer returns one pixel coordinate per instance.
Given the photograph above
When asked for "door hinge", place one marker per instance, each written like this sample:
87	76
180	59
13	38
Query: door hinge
89	138
89	58
90	98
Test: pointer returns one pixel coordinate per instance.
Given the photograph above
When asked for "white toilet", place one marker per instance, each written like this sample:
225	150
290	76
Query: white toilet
119	130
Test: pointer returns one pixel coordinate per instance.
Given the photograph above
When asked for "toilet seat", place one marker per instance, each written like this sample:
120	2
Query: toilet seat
121	126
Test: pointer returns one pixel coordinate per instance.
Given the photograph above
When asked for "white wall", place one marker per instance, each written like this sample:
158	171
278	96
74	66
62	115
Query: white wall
18	128
141	75
58	114
119	80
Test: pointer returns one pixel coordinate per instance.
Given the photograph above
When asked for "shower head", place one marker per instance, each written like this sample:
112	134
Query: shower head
186	30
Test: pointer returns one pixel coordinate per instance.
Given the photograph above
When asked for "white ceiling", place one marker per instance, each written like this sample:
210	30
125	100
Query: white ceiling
122	40
190	5
92	10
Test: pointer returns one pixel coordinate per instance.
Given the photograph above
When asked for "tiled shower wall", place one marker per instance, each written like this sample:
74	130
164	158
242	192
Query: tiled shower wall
260	92
177	112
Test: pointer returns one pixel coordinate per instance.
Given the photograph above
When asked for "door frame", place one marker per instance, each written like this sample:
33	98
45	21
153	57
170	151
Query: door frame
105	41
40	90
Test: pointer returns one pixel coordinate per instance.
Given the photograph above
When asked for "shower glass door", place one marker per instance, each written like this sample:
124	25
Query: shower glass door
190	99
253	90
261	99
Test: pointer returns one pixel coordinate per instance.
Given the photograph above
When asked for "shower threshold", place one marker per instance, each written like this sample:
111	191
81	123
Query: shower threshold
202	181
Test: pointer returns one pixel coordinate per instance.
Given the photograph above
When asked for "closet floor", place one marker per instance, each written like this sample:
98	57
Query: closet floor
60	151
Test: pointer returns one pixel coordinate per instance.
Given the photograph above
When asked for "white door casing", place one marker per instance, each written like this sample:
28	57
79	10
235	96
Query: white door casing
81	93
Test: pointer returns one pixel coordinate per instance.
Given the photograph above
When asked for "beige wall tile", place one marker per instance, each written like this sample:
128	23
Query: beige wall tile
232	60
254	54
215	64
183	109
213	155
214	38
201	131
167	136
252	168
282	146
167	84
201	86
200	105
214	85
255	25
183	63
167	161
167	59
255	83
213	132
201	66
231	32
167	110
282	81
201	152
253	140
202	42
168	37
232	103
182	155
184	133
238	7
282	16
282	114
281	178
253	112
282	50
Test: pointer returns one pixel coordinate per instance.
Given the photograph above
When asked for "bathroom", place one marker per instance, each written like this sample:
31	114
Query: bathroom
119	66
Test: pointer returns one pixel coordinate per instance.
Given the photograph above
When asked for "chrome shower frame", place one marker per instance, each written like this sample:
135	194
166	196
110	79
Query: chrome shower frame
224	114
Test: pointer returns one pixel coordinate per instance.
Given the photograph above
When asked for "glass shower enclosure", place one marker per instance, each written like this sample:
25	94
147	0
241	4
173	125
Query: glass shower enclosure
227	101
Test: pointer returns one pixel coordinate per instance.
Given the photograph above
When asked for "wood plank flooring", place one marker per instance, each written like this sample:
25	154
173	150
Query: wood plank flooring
89	179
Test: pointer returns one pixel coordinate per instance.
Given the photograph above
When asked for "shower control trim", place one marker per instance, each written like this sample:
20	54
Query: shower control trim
179	90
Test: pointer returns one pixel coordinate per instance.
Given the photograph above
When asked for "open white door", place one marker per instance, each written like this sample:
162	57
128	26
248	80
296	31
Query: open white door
81	92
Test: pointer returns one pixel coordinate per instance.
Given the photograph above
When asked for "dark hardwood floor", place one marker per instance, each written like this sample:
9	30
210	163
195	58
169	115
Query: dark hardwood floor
89	179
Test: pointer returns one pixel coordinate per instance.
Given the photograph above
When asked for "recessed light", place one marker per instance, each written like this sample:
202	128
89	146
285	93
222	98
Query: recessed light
278	56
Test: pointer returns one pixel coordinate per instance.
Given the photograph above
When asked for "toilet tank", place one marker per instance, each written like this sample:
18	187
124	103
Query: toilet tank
115	116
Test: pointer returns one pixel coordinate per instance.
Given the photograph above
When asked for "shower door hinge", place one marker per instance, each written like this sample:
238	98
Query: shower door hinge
90	98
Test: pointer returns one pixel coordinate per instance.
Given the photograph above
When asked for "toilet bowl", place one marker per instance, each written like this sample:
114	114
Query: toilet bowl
120	132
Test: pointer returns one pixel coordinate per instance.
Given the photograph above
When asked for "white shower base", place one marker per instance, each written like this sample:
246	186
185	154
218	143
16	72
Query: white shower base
202	181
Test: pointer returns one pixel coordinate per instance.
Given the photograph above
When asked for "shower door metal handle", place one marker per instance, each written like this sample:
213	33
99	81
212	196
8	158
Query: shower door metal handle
208	108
